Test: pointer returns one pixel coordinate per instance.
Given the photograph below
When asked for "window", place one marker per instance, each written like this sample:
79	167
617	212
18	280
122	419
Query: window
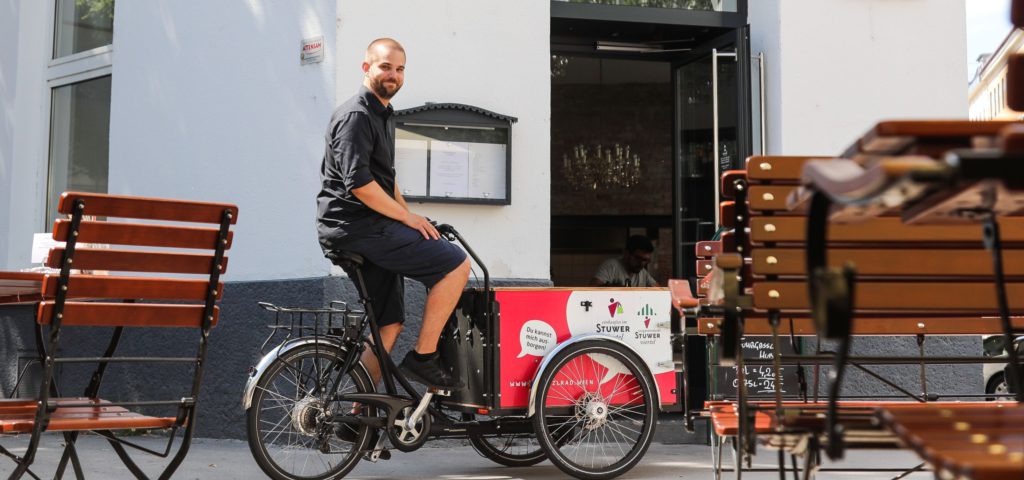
82	25
79	79
79	133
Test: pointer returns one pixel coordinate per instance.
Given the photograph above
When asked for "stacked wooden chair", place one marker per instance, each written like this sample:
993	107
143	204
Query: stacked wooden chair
144	277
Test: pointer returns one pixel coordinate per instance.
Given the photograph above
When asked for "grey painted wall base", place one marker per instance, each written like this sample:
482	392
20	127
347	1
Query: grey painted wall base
235	344
946	380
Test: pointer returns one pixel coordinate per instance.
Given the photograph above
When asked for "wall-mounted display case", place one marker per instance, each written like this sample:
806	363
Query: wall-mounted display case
454	153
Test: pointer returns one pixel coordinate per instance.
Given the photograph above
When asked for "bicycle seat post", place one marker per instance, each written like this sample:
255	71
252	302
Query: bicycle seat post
351	263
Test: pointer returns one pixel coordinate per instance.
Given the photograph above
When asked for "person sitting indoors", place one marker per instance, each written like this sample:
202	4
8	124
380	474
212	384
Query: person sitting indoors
630	270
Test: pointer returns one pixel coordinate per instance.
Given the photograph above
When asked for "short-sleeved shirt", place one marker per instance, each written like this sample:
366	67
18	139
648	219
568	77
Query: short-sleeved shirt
360	148
613	273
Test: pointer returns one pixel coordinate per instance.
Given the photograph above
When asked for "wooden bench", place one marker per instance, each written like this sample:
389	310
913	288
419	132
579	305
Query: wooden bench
979	189
156	251
901	285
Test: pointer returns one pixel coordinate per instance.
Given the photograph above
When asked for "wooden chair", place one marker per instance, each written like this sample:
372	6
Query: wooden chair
898	294
152	294
946	198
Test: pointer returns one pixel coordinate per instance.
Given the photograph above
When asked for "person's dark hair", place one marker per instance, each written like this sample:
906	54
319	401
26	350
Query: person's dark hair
639	242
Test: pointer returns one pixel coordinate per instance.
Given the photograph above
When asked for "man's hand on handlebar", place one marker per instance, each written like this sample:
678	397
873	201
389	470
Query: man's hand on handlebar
447	231
421	224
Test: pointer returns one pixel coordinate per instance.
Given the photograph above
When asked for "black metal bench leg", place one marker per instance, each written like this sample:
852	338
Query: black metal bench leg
70	453
123	455
186	443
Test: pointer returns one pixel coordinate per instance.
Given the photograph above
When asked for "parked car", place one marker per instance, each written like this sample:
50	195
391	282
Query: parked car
995	377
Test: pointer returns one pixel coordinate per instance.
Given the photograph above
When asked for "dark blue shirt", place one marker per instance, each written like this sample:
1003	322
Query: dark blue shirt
360	148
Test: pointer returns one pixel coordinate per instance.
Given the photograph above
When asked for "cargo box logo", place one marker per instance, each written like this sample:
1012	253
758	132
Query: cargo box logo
614	307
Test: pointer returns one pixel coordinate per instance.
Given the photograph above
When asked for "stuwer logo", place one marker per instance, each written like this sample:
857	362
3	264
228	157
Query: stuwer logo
614	307
647	312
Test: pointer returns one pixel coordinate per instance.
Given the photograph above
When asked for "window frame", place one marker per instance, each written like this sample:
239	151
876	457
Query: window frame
60	72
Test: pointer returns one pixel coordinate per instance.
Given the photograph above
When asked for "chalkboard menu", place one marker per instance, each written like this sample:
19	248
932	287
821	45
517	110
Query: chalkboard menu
761	379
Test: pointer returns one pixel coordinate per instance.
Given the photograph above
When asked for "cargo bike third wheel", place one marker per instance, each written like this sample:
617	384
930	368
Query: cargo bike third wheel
596	408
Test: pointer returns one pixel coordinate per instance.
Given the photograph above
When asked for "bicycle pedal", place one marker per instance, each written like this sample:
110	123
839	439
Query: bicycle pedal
373	455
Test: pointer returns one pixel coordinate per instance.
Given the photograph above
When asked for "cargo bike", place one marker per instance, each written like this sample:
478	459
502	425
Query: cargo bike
577	376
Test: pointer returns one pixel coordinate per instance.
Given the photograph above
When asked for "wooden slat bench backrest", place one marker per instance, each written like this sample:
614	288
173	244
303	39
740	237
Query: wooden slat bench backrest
121	224
902	270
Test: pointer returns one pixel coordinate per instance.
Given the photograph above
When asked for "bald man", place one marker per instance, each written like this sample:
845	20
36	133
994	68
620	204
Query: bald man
360	209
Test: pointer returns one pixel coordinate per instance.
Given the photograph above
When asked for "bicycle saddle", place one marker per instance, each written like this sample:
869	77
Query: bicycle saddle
345	258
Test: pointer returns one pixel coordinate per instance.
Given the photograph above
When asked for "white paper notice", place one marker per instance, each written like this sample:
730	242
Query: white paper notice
41	245
449	169
411	166
487	170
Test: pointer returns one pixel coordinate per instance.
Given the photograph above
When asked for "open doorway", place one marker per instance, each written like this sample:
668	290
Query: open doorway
672	84
611	153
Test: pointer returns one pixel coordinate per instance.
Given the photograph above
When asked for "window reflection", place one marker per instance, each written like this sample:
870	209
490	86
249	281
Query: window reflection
82	25
79	140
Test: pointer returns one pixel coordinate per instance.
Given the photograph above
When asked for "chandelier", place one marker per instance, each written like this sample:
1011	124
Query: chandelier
601	168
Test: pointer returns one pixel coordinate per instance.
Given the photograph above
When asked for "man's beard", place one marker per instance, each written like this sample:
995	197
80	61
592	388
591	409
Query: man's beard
382	91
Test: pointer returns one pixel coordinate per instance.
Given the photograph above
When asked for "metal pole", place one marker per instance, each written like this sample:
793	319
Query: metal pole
714	127
714	133
760	70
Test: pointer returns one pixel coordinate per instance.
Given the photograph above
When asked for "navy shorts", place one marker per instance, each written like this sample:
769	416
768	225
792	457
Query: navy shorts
393	251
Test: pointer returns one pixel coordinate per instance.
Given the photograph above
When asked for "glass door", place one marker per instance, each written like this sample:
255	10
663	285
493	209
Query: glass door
712	134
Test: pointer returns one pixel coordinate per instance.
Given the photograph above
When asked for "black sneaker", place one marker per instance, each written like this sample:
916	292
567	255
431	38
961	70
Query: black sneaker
429	372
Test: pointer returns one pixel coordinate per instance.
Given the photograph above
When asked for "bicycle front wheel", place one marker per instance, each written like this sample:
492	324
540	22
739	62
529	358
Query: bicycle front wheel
596	409
291	428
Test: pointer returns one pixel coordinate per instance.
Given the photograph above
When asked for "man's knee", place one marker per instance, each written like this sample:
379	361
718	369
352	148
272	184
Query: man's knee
462	270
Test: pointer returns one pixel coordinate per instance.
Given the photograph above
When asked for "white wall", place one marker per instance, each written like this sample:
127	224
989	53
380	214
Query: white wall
836	67
492	54
210	102
8	88
24	116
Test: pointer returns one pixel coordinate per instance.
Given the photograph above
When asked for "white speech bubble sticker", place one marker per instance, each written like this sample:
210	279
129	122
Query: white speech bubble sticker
536	338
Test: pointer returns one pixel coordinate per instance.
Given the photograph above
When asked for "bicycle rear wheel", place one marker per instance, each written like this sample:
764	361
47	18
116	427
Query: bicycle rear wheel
291	429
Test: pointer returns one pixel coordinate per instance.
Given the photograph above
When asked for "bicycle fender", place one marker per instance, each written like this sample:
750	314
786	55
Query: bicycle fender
256	372
585	337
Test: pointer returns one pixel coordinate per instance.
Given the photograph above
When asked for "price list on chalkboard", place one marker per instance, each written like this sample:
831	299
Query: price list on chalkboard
761	380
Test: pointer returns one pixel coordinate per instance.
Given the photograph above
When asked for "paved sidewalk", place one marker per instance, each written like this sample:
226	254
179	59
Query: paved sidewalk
230	459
